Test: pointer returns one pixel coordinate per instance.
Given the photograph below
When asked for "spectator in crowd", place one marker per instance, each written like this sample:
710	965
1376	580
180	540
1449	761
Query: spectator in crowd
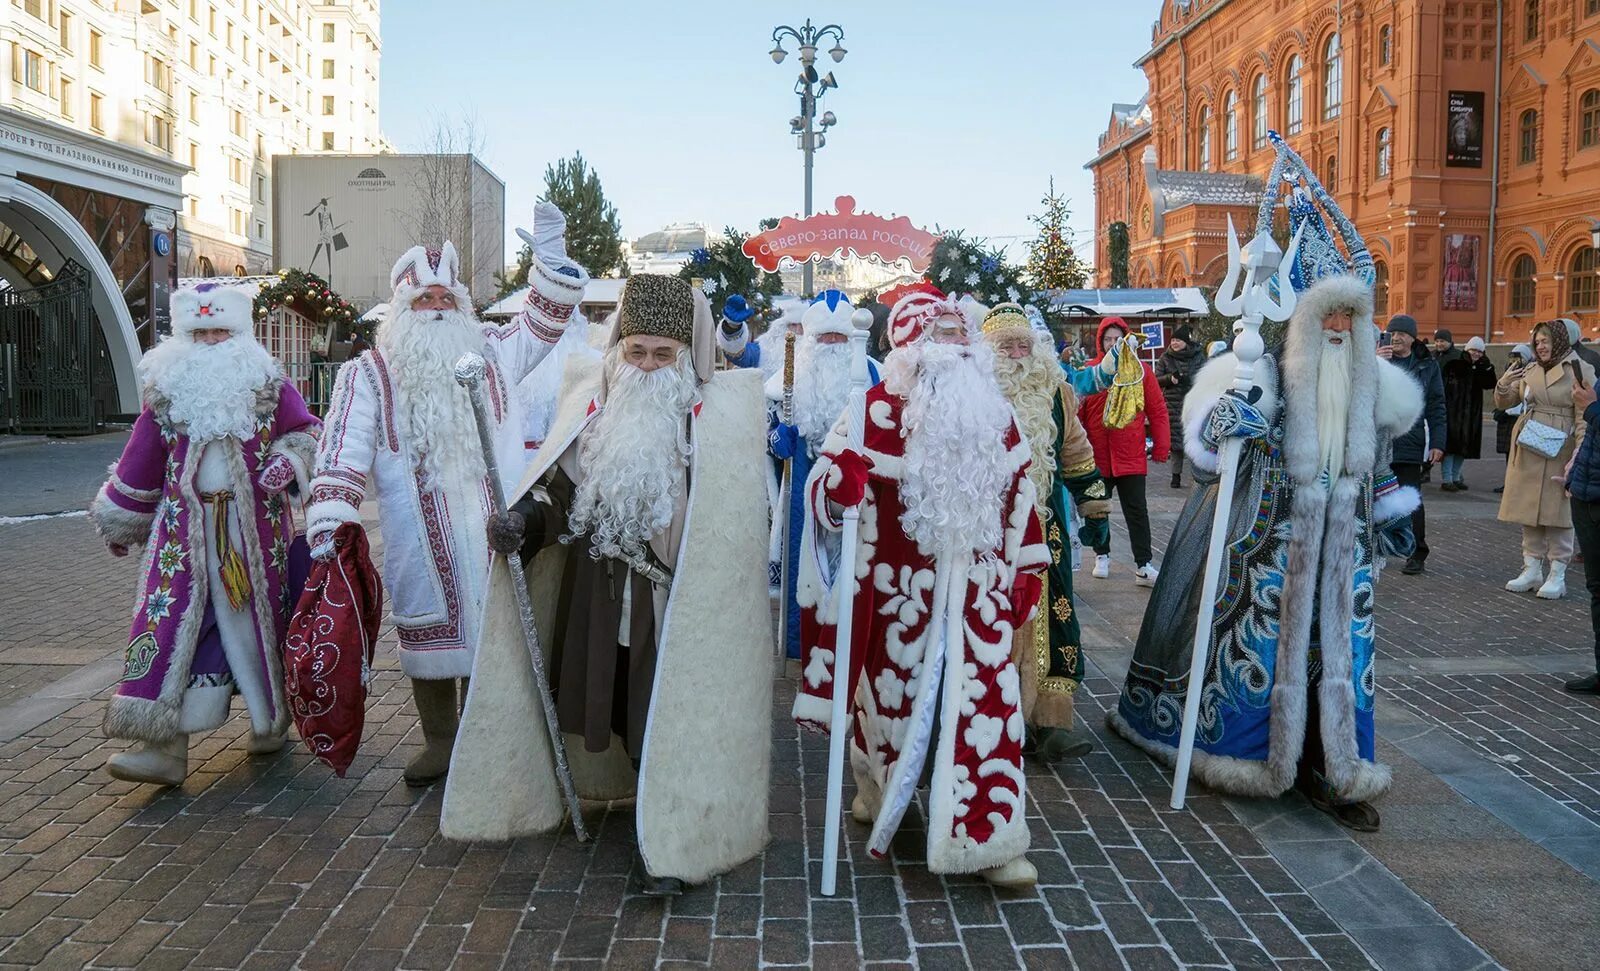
1504	418
1119	453
1423	444
1175	373
1541	444
1583	485
1581	347
1467	375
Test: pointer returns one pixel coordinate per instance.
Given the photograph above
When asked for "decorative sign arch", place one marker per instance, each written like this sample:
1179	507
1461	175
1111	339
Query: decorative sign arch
864	234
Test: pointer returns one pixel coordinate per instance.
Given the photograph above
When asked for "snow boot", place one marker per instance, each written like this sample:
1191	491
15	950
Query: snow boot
1017	873
1531	576
158	763
267	744
437	712
1555	587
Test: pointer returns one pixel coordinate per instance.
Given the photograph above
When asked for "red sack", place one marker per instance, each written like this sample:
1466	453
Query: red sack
327	652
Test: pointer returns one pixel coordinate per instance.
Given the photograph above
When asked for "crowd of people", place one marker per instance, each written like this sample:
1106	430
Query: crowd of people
606	633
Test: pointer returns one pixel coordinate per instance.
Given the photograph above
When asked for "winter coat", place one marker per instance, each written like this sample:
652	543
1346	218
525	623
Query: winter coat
1464	385
1120	451
1175	373
1429	431
1534	494
1584	479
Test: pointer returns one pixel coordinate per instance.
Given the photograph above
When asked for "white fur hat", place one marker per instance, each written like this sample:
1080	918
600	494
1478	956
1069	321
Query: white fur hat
420	268
211	306
828	314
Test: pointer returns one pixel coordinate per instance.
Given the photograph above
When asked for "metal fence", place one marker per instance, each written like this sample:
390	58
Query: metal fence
314	381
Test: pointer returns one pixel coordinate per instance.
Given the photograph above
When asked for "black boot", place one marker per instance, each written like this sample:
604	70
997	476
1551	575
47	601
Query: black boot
1177	480
1584	686
656	886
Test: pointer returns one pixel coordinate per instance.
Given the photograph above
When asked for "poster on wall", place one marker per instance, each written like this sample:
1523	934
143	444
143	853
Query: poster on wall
1461	271
1463	145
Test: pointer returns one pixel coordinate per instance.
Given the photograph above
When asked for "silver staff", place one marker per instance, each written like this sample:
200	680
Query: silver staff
470	371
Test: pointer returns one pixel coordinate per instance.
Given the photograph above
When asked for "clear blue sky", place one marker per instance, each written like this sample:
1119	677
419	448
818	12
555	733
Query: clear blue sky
955	114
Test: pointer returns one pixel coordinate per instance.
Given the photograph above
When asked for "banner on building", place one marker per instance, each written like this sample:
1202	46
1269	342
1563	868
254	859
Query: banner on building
827	234
1464	137
1461	271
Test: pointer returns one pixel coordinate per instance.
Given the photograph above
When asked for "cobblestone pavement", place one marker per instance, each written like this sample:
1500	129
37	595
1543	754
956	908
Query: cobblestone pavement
274	862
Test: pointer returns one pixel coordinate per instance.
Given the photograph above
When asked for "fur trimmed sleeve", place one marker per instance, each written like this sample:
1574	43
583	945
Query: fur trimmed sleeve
1399	400
345	453
1211	382
125	506
734	346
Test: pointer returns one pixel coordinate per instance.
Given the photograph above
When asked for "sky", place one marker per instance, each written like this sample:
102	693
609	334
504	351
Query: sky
954	114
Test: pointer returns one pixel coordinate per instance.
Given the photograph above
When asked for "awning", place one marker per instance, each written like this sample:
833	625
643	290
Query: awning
1174	302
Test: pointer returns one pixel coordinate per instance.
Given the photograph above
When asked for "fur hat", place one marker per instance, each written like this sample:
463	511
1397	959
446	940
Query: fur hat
656	305
914	308
1403	324
211	306
419	268
829	313
1183	332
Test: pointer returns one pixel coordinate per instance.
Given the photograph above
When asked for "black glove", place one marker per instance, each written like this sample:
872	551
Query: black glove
505	532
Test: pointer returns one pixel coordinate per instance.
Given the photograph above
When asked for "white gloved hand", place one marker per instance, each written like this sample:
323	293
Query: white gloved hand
549	236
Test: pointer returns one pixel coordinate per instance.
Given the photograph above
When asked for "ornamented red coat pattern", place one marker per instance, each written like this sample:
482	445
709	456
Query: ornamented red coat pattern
898	651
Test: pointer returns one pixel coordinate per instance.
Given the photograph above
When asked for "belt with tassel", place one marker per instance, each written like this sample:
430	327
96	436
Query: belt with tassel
230	565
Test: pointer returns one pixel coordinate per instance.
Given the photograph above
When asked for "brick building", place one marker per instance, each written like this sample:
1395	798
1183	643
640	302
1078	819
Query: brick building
1461	136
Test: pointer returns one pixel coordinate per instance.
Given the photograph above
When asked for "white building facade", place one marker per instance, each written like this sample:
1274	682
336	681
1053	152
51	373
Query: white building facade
218	86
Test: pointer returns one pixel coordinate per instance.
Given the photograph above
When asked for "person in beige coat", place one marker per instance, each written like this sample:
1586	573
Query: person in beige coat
1534	495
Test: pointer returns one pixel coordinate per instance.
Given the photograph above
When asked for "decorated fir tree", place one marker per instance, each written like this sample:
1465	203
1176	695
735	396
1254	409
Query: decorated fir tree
1052	262
721	269
962	264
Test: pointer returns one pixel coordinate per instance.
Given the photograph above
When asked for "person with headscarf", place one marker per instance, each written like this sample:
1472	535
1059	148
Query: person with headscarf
1542	442
642	524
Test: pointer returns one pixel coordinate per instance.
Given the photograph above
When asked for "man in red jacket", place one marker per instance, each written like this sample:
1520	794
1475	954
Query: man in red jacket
1120	455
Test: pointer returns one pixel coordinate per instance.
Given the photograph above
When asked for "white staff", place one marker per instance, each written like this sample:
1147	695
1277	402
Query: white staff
470	369
1253	302
855	411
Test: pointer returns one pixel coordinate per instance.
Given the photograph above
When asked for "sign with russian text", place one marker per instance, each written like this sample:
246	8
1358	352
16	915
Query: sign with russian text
827	234
1464	141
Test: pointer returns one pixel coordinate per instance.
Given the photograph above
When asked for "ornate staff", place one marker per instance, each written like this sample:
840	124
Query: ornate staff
470	370
1253	303
855	410
780	515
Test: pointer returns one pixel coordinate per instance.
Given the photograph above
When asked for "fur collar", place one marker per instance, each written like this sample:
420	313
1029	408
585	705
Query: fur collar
266	400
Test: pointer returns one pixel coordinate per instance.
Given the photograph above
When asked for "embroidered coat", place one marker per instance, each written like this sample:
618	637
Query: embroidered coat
930	634
151	499
1048	649
1291	653
435	552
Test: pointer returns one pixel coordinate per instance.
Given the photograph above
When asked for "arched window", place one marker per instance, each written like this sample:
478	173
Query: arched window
1332	77
1204	148
1380	291
1258	112
1583	286
1385	45
1522	285
1528	137
1589	119
1293	103
1383	158
1330	174
1230	126
1530	21
206	269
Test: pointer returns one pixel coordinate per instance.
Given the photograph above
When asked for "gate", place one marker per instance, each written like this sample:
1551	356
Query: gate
47	363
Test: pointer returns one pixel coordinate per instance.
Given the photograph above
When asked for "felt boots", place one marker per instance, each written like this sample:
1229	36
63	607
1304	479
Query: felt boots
158	763
439	714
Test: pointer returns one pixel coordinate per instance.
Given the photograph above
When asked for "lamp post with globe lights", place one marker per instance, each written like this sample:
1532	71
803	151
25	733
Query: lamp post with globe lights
807	126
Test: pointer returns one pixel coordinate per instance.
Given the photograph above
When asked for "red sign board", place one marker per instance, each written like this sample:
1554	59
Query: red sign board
826	234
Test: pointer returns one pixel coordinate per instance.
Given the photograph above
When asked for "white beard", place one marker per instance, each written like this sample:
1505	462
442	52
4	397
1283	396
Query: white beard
1030	384
821	385
435	412
956	472
211	388
632	458
1333	400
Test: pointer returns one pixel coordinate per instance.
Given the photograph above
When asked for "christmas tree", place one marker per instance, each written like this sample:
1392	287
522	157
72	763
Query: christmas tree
721	269
966	265
594	235
1052	263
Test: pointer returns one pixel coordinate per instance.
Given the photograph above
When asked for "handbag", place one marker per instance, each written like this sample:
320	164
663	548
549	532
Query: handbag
1547	440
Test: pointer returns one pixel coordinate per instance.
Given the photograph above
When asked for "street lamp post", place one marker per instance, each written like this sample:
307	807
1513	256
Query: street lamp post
810	129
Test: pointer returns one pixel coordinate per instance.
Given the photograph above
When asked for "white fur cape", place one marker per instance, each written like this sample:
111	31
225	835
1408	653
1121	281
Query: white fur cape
702	783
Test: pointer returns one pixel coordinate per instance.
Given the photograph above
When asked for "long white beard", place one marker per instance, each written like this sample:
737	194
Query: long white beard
955	470
821	385
1334	374
435	413
633	456
1030	384
212	388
